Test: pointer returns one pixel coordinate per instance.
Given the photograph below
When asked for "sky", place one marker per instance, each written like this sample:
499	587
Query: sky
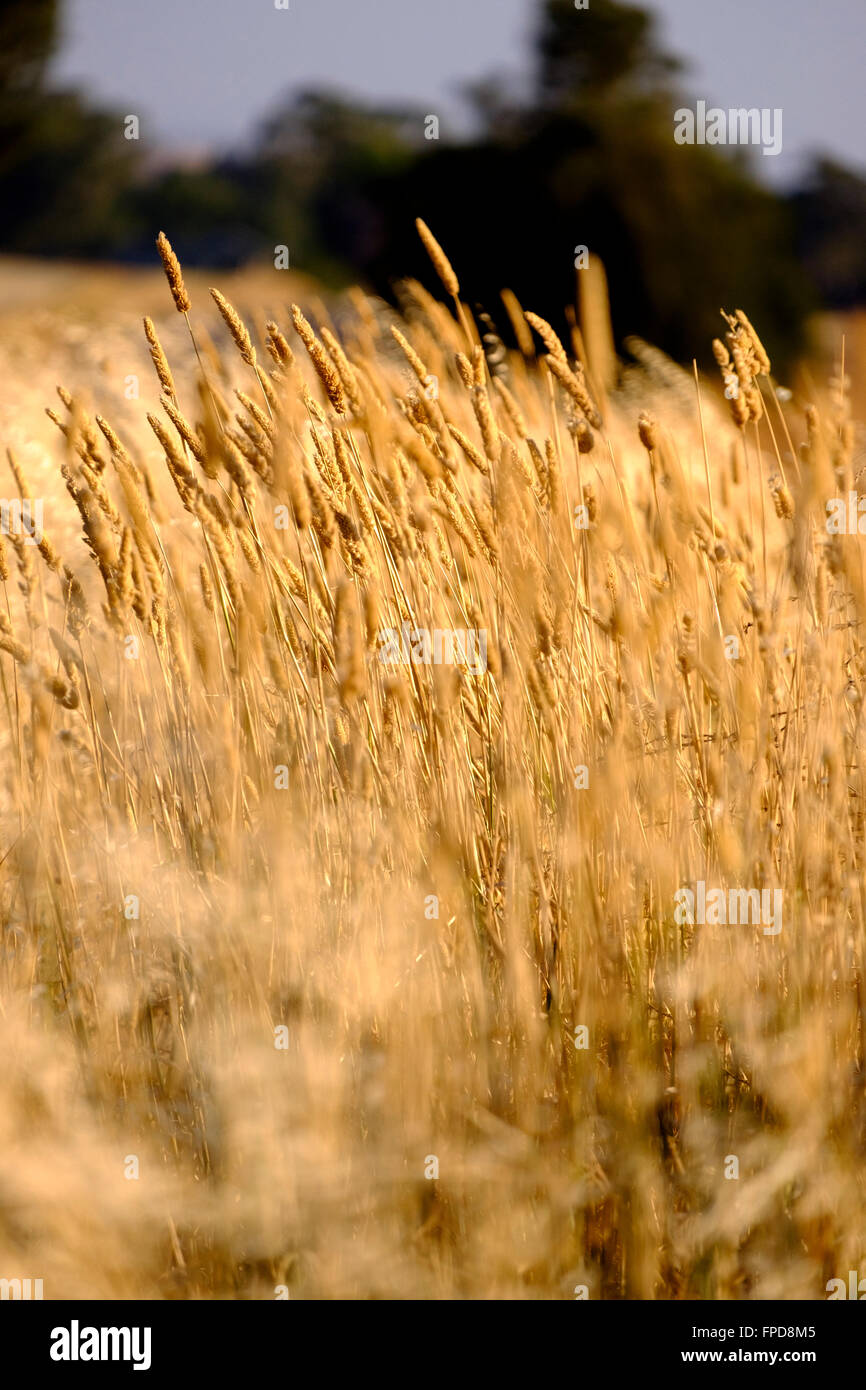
203	73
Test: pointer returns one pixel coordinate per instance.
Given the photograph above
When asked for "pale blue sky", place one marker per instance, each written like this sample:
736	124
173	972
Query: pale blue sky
204	72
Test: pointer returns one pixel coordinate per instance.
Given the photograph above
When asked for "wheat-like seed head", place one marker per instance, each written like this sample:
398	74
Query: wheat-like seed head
173	273
319	358
236	327
441	263
159	359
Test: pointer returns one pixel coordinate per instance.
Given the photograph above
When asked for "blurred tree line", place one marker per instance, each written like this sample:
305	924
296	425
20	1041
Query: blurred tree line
588	158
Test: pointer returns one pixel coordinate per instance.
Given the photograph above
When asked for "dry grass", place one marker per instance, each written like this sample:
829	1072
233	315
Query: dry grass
223	815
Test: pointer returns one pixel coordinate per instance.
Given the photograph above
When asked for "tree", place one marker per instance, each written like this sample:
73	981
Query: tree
28	36
317	159
585	54
591	160
63	167
831	232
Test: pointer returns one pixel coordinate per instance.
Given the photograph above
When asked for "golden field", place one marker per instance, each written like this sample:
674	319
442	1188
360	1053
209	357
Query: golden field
330	978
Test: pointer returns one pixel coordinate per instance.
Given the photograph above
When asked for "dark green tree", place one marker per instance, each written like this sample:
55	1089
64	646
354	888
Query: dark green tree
28	35
317	156
593	53
63	167
591	160
830	213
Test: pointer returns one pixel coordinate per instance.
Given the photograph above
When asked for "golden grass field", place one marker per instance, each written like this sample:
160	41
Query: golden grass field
286	929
